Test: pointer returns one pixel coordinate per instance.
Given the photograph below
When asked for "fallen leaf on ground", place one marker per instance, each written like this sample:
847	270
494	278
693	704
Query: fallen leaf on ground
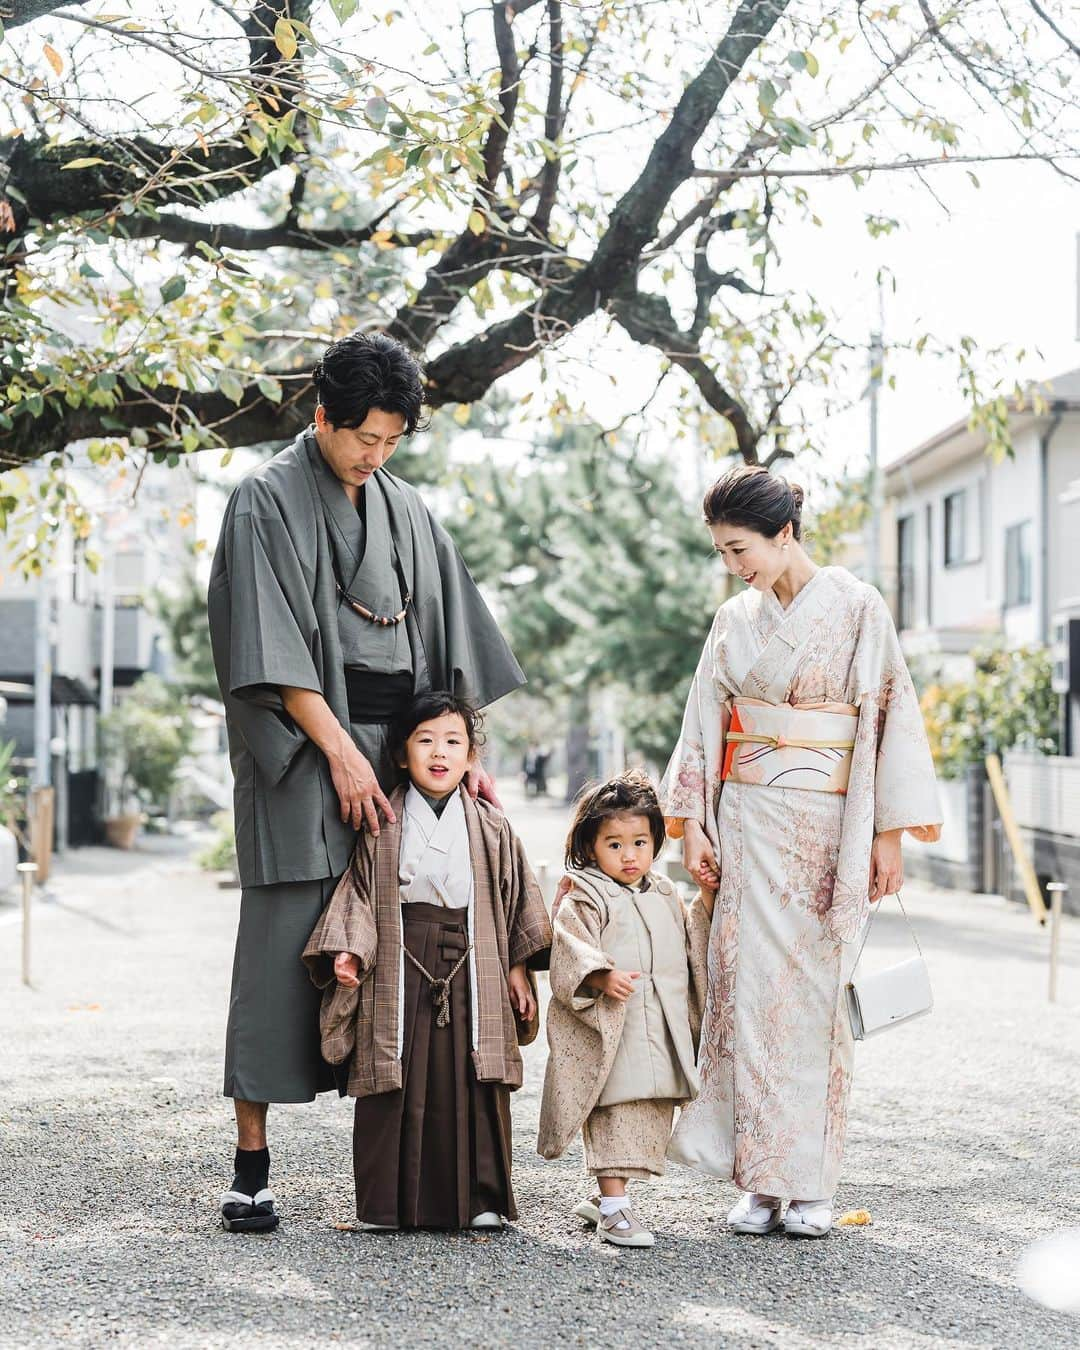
854	1218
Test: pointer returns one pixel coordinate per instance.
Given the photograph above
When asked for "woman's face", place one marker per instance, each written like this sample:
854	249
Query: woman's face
757	560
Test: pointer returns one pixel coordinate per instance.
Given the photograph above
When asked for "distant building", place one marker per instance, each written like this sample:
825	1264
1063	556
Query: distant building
143	544
975	547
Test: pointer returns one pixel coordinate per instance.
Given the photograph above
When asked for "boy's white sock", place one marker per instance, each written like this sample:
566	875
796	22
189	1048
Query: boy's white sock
611	1204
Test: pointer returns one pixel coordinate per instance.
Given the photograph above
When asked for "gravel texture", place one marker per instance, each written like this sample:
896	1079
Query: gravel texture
114	1146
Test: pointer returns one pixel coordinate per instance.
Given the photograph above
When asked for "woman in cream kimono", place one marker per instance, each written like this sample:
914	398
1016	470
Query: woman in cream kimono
802	761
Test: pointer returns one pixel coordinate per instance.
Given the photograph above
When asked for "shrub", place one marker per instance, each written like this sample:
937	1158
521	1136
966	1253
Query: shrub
1008	702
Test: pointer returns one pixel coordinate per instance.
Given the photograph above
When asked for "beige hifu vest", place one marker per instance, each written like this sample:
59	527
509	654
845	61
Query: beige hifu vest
655	1057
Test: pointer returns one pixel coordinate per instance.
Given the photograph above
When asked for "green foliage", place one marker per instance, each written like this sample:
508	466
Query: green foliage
145	737
13	794
1008	702
183	611
220	854
846	513
603	574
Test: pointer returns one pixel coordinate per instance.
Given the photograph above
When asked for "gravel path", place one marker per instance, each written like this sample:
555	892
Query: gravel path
114	1145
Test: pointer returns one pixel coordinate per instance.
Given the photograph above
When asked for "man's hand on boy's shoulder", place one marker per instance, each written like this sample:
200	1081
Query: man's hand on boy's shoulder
479	783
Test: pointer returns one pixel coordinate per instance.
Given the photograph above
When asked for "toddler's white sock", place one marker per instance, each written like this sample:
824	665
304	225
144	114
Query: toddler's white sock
611	1204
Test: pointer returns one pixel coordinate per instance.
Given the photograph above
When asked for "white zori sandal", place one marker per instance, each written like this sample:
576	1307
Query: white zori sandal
758	1214
808	1218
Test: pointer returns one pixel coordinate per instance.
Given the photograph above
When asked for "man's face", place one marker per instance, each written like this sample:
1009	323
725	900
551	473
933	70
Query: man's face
354	453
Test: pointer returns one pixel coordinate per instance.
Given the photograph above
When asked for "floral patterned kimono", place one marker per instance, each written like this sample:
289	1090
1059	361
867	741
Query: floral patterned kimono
776	1046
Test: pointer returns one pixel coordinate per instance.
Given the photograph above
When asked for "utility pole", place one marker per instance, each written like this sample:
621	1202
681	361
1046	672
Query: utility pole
874	482
43	683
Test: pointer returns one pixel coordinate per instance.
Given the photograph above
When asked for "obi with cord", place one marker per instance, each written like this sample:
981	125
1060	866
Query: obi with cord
790	745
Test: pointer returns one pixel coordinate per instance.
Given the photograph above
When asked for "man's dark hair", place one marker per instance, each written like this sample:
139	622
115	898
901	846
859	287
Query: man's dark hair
365	371
631	794
434	703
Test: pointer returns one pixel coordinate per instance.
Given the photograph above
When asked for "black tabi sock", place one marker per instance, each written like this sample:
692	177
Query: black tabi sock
252	1170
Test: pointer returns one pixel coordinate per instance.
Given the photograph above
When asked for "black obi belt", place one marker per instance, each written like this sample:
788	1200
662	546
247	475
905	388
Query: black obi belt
374	697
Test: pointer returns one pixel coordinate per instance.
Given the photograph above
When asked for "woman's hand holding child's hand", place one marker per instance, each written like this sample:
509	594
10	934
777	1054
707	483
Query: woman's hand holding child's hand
521	994
699	858
617	984
347	969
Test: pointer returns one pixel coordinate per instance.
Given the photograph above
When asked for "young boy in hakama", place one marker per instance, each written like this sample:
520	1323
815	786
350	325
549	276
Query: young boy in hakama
425	953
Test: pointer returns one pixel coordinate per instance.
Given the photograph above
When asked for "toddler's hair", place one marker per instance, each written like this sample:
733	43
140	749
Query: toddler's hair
424	707
630	794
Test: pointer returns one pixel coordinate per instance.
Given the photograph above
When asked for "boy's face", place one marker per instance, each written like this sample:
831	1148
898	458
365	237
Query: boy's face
624	848
437	754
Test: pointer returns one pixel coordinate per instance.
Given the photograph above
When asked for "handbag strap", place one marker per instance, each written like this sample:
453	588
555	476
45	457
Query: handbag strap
870	920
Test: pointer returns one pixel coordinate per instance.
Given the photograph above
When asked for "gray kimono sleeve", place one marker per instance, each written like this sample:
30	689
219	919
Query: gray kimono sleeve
263	631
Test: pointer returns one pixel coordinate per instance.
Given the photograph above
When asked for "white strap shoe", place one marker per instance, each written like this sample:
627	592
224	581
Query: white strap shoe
758	1214
808	1218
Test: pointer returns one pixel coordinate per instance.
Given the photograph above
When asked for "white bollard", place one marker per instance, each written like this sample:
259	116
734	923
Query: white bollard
26	871
1057	890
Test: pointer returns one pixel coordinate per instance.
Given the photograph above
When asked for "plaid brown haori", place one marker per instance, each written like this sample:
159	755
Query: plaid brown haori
362	1026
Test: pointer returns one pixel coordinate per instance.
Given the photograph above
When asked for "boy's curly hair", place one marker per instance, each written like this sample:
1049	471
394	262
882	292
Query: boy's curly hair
630	794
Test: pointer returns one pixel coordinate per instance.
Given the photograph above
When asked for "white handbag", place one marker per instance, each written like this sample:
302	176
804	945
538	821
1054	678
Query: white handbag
886	998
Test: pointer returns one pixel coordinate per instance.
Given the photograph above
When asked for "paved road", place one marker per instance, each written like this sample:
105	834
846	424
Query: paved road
114	1145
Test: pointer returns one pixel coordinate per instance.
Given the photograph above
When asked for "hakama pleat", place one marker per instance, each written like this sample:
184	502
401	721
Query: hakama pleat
436	1152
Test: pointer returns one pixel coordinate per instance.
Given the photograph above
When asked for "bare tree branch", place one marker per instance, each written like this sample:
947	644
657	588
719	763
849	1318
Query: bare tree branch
648	319
553	121
1072	45
868	167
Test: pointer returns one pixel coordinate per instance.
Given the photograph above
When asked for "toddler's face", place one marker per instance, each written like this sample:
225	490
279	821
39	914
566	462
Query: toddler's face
624	848
437	754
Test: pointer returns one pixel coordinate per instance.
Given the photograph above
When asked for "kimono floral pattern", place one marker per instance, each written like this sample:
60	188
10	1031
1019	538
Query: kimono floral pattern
776	1049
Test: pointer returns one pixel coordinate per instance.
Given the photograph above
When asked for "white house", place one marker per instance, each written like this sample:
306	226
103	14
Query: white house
976	546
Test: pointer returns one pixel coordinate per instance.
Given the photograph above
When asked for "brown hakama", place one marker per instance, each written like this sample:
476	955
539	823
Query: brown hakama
436	1152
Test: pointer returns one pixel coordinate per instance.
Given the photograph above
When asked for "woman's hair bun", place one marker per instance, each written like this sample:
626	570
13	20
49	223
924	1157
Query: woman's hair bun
752	496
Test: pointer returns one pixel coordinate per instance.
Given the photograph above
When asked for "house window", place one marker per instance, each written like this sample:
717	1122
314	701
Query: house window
905	582
1018	564
955	528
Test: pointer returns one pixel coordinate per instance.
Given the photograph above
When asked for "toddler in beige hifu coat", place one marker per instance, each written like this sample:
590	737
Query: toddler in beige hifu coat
627	986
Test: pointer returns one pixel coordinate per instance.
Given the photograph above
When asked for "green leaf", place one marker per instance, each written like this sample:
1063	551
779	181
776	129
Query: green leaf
797	60
477	223
231	387
812	66
376	109
173	289
270	388
285	38
82	163
343	9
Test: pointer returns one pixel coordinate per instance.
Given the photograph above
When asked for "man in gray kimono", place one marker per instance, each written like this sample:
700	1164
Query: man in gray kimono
334	596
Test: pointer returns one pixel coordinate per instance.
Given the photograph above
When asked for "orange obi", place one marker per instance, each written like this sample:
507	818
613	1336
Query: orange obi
794	745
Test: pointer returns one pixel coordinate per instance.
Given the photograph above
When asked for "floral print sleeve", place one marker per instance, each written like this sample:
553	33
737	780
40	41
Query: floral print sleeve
691	785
